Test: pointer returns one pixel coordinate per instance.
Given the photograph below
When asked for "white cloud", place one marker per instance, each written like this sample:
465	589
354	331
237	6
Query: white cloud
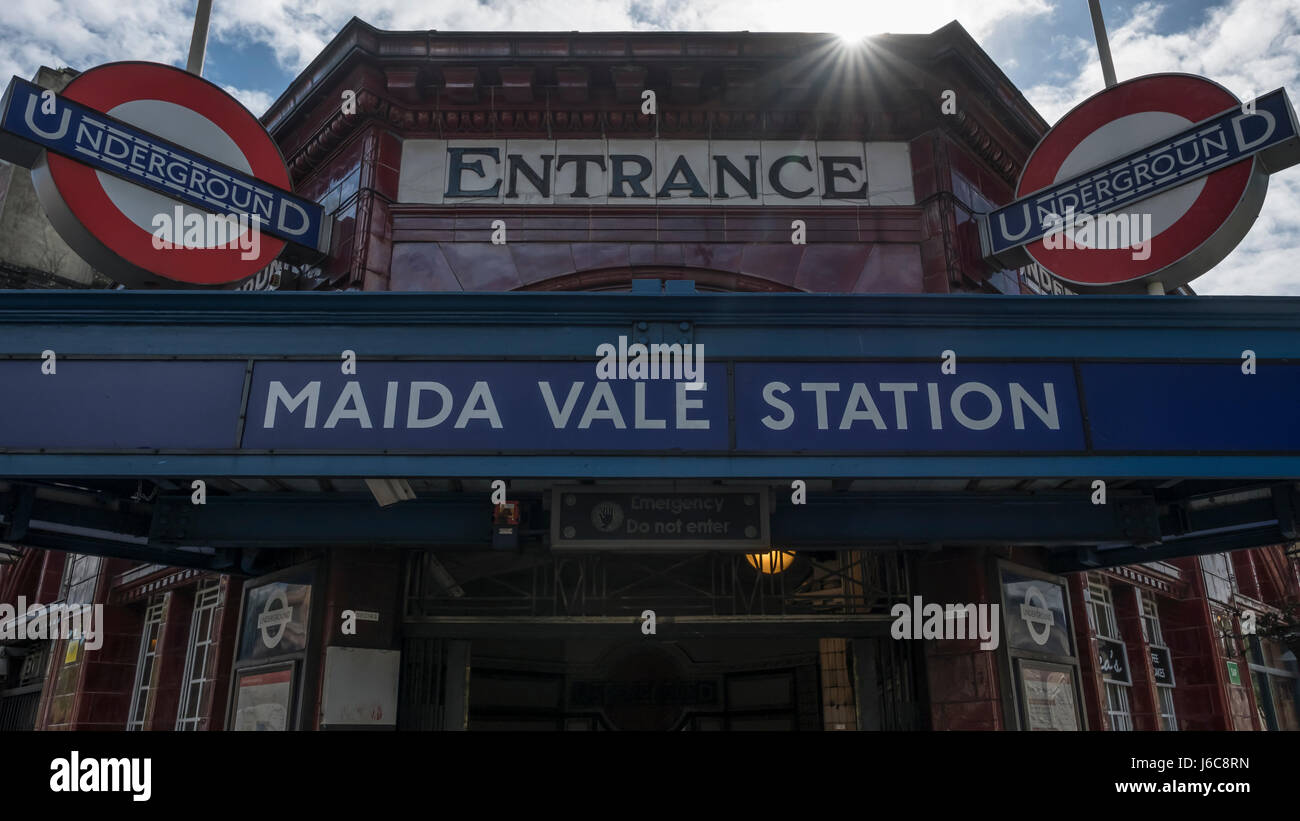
85	33
82	33
254	100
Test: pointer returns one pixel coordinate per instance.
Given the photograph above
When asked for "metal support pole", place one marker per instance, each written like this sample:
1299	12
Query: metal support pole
1155	287
1103	44
199	40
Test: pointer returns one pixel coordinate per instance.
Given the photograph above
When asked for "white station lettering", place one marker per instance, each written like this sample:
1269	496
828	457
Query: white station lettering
972	405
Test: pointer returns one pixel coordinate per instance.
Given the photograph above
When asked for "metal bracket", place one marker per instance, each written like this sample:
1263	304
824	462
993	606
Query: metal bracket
648	332
18	512
1284	502
1138	519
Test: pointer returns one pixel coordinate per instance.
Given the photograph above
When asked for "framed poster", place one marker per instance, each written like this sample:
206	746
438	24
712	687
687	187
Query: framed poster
279	628
1035	614
276	618
1047	694
264	697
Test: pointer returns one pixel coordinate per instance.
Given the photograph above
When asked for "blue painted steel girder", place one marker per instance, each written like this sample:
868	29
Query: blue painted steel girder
561	325
839	520
656	466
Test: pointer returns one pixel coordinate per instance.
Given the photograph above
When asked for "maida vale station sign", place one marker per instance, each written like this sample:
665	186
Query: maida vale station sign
741	407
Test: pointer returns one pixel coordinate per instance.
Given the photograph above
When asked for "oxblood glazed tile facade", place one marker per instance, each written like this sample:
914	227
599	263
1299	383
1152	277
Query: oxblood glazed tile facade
419	85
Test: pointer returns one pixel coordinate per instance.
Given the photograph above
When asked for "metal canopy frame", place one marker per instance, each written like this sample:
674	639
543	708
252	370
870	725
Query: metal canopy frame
840	593
1163	511
496	326
241	532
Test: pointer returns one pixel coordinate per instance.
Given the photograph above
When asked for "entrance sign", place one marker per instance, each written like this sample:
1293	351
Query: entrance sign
1175	156
127	146
594	517
656	172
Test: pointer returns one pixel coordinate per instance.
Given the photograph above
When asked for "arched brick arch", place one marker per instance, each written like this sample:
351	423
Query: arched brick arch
619	278
530	264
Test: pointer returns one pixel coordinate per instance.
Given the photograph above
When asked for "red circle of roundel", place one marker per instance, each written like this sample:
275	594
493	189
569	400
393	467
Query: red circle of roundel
105	87
1187	96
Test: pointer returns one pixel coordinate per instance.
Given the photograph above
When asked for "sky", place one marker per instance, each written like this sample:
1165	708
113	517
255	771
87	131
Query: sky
1046	47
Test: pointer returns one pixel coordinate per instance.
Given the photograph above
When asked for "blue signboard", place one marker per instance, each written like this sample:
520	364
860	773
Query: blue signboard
1206	147
743	408
120	405
1157	407
137	156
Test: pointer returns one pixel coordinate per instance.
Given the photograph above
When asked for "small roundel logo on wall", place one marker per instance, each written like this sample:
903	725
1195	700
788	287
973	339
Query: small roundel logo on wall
157	177
1155	179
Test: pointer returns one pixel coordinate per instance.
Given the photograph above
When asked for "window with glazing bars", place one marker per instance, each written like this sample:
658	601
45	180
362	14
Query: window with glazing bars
79	574
198	679
1168	720
1117	706
144	667
1220	583
1101	616
1155	638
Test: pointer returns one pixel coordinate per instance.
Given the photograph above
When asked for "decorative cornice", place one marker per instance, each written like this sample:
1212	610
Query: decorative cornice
987	148
571	84
1135	574
571	121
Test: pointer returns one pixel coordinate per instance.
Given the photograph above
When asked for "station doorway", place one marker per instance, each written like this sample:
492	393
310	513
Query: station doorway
556	644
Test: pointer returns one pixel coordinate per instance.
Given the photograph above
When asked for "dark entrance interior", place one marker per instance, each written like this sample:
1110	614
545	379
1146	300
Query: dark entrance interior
515	641
641	685
586	684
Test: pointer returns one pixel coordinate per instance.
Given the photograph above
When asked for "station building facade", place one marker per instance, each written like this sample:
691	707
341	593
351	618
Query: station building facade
536	162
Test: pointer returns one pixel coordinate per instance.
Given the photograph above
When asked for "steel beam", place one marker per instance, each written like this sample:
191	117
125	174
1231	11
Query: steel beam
505	325
125	550
666	627
653	466
305	520
849	520
841	520
1087	558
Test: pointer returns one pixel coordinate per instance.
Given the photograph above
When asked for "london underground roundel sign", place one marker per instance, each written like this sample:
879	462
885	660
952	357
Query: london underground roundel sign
156	176
1156	178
